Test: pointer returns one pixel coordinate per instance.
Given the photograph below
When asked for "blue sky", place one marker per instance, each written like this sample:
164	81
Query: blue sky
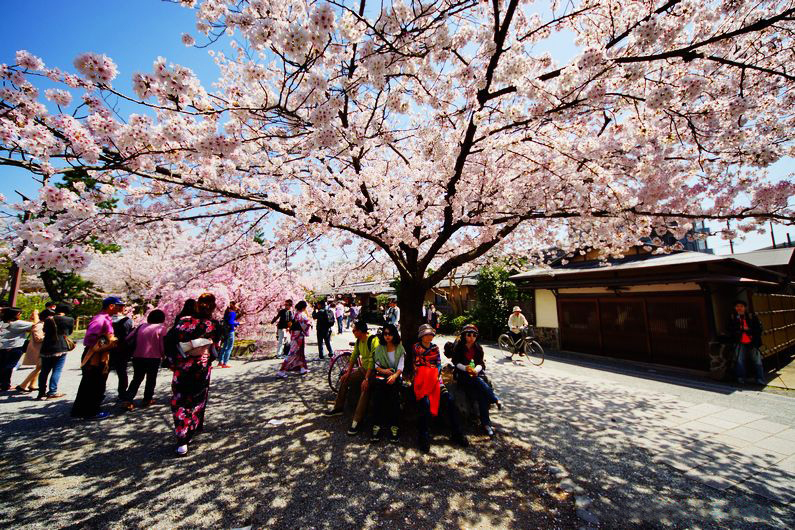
134	33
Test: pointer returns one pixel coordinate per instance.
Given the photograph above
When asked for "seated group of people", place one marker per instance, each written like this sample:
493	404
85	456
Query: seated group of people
378	364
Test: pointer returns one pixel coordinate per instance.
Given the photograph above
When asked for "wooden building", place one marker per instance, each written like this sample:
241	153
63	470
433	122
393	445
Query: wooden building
663	309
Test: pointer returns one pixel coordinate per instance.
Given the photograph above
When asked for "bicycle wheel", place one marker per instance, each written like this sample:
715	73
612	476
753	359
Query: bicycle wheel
534	352
339	363
506	344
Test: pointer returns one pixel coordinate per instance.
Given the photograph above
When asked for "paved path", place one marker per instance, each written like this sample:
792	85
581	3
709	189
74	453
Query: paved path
656	449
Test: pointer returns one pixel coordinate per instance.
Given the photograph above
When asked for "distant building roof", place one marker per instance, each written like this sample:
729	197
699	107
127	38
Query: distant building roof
651	269
775	257
384	287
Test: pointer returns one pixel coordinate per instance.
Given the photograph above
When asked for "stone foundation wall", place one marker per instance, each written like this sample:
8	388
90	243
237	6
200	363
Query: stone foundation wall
548	337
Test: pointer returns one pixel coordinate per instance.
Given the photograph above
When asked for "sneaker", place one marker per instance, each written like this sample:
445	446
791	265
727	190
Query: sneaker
376	436
182	450
499	405
281	374
460	439
394	435
333	412
489	430
101	416
355	428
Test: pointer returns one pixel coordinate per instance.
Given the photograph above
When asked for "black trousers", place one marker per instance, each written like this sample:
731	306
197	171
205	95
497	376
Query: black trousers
90	393
147	368
387	402
118	363
324	336
446	404
8	361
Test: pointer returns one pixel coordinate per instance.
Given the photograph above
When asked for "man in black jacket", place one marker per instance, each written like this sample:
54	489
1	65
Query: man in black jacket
745	330
120	355
325	323
282	320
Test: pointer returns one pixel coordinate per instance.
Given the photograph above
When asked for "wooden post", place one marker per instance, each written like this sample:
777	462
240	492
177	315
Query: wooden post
15	273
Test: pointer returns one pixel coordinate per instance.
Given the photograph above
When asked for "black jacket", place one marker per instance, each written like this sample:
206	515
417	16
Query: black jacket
325	320
432	318
459	354
754	329
284	317
56	330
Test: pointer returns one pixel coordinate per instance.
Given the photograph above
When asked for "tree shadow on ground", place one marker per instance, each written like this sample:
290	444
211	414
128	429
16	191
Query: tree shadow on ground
618	444
303	471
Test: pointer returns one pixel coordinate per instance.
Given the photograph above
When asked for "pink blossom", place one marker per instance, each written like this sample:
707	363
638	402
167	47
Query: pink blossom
96	67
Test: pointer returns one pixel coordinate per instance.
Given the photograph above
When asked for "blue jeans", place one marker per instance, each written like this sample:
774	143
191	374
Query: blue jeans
744	350
477	389
51	364
226	352
339	325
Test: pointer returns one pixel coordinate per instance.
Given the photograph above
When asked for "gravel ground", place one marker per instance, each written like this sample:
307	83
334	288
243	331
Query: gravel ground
560	424
302	473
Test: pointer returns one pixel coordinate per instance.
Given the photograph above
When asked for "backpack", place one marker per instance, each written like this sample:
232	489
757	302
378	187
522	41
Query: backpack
370	340
123	350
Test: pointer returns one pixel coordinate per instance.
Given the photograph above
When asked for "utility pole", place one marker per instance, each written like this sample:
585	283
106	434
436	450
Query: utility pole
14	272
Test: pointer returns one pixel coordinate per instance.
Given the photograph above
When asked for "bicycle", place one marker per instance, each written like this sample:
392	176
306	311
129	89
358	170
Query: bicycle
525	346
341	360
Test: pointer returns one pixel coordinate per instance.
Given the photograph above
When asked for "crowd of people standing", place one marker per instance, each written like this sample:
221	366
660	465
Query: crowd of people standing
188	347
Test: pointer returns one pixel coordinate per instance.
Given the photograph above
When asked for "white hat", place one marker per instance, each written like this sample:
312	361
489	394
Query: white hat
517	308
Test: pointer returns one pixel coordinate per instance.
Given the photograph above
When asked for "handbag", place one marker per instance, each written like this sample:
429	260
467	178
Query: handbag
69	343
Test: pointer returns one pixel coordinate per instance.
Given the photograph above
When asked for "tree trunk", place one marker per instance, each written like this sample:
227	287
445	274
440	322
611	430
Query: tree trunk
411	296
51	284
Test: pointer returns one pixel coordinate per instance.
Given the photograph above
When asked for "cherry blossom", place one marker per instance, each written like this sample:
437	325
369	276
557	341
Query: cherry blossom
424	135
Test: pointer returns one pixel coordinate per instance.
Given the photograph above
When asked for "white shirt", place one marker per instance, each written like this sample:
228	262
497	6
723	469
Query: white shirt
517	322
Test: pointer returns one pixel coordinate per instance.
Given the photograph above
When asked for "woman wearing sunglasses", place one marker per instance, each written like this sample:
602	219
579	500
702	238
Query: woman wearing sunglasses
470	368
389	357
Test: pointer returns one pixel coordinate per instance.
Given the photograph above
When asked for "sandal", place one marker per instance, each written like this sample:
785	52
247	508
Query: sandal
19	388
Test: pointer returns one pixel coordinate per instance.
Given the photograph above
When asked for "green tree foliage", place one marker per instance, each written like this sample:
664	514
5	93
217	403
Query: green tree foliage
496	293
27	303
67	286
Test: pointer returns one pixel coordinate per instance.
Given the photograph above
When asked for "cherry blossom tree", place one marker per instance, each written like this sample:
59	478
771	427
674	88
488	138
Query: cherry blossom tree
164	266
432	133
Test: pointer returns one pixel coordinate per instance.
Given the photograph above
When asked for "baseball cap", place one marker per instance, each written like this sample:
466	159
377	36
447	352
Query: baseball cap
115	300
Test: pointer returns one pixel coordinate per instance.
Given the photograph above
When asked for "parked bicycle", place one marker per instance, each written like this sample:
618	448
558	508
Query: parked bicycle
337	367
340	361
525	346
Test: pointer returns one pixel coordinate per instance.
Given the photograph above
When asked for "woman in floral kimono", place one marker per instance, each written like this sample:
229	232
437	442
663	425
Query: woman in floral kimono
299	331
197	339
